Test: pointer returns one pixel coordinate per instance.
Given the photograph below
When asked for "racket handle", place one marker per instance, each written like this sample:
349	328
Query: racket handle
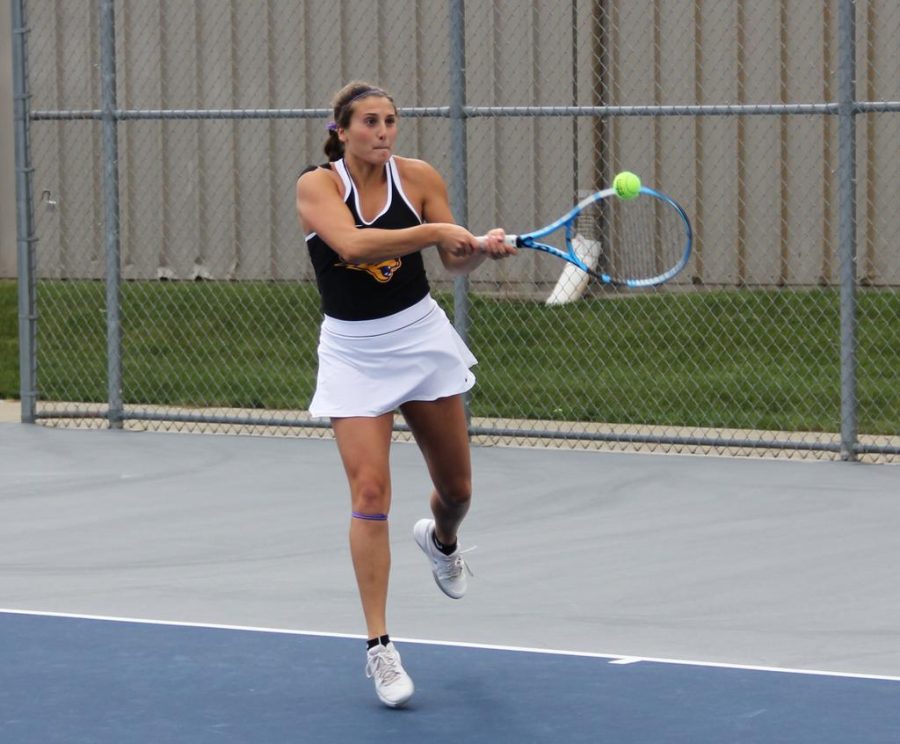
509	241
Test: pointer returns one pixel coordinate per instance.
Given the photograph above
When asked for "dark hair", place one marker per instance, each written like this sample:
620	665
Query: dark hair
342	103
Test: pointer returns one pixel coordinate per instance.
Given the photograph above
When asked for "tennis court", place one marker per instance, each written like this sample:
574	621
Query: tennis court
173	587
686	492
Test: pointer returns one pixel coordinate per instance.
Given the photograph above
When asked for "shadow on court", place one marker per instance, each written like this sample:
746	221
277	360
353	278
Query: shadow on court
79	680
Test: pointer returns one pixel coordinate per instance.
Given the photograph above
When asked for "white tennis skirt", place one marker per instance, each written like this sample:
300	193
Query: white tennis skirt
371	367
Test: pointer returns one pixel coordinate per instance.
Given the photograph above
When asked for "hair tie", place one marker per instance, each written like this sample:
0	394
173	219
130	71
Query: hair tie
370	91
332	126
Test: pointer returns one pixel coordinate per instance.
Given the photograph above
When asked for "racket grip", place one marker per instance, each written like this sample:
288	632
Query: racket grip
509	241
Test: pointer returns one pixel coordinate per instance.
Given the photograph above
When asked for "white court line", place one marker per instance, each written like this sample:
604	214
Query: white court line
613	658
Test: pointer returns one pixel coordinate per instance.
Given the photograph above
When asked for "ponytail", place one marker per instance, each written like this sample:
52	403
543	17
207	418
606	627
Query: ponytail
334	148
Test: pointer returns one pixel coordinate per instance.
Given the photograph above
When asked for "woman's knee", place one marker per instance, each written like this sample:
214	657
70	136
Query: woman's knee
455	492
371	497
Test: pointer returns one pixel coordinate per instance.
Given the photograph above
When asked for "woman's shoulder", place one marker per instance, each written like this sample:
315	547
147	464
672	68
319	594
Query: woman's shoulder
322	168
316	176
417	171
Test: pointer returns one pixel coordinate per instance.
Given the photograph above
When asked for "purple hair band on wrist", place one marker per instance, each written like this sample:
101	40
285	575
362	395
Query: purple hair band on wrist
332	126
369	517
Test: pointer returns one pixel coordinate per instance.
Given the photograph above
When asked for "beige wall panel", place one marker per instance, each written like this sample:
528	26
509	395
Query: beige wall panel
142	206
675	171
760	146
213	55
182	242
717	190
250	252
141	167
360	32
46	142
8	244
805	51
51	205
761	195
632	38
878	216
287	154
79	207
324	71
676	52
717	195
807	211
222	217
287	79
878	53
514	177
803	210
485	199
878	79
760	56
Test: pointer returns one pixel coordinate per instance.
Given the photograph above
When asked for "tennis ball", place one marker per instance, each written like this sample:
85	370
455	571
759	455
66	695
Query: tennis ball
627	185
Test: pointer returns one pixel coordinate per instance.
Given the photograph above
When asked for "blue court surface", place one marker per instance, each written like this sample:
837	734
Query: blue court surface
88	680
169	588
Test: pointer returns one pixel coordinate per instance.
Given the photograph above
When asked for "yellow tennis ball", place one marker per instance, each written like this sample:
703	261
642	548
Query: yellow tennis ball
627	185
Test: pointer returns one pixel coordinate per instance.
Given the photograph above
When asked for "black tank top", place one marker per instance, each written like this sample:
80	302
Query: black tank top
364	291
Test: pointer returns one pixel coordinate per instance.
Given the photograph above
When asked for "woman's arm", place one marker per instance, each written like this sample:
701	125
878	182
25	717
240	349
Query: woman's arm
320	209
436	209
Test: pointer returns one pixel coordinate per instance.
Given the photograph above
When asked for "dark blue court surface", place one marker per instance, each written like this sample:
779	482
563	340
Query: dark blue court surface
73	680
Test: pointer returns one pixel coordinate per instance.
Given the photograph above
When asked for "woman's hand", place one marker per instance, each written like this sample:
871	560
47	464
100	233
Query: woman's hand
494	244
457	241
462	252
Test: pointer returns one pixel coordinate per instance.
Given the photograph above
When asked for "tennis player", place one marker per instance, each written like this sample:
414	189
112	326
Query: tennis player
385	345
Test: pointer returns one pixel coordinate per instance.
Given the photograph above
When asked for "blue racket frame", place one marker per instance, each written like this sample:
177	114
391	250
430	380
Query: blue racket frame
567	221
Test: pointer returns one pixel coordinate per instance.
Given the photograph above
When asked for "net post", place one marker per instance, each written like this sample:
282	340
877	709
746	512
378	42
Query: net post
847	222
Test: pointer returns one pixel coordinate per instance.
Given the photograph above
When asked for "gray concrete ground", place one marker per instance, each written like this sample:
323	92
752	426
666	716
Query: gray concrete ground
775	563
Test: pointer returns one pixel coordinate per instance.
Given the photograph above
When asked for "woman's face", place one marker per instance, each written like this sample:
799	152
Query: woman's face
372	131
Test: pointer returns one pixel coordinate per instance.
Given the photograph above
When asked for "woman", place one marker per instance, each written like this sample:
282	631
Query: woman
385	344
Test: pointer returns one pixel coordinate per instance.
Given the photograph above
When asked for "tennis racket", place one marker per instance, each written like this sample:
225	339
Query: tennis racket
642	241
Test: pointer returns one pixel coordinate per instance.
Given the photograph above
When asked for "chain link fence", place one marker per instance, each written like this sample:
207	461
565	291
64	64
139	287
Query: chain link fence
167	283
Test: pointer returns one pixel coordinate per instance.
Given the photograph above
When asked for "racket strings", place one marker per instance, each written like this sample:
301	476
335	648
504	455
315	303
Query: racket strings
638	239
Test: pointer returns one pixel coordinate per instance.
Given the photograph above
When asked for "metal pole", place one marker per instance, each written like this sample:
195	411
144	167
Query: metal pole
847	221
24	218
459	200
111	210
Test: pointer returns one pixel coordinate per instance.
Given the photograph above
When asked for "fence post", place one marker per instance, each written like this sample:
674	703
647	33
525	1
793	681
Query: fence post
111	210
847	221
24	218
459	198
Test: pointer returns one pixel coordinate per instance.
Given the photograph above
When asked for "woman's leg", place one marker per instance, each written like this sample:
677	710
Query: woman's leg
364	444
440	430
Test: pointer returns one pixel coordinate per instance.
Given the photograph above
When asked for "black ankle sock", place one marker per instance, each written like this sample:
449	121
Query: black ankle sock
445	549
383	640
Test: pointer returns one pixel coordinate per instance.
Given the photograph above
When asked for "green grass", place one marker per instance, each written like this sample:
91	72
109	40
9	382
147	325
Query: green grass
748	359
187	344
9	340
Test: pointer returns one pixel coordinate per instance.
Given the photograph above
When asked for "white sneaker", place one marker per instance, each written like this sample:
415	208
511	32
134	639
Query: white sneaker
392	684
449	570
